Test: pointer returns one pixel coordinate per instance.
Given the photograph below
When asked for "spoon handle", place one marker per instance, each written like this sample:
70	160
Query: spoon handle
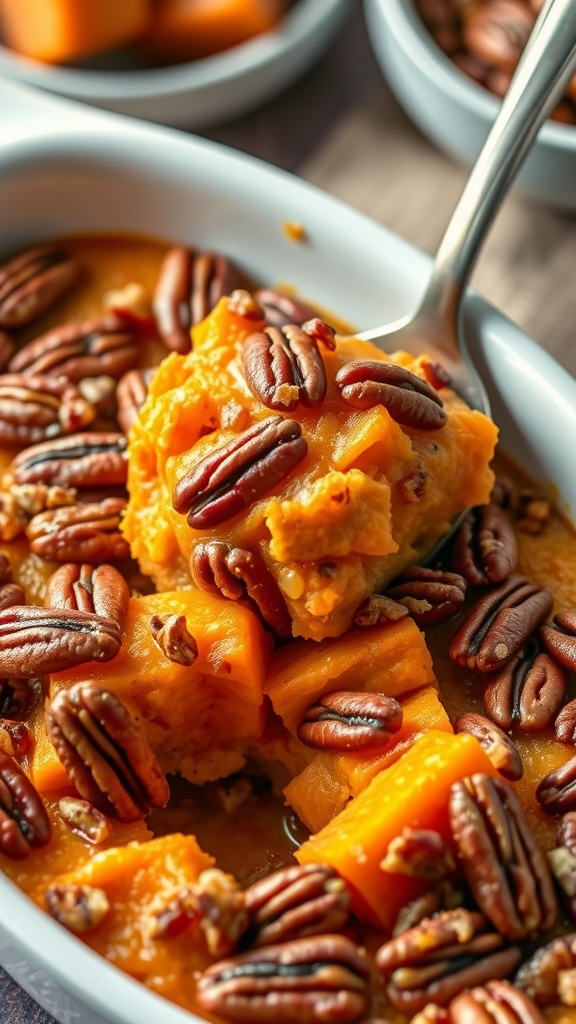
538	83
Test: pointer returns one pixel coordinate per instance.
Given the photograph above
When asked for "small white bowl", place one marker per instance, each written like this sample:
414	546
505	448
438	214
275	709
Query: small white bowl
201	92
67	169
454	111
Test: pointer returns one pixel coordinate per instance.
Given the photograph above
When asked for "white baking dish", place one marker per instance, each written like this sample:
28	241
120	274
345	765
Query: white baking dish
64	168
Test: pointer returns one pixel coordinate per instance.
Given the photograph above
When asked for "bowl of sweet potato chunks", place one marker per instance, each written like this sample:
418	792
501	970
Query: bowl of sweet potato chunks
187	64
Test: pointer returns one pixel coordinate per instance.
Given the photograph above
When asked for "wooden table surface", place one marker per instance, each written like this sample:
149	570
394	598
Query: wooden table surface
286	132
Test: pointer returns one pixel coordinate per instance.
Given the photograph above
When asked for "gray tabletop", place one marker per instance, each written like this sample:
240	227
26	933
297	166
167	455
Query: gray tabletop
286	132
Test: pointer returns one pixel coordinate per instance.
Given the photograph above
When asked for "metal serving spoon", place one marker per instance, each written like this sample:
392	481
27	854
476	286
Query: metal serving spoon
538	83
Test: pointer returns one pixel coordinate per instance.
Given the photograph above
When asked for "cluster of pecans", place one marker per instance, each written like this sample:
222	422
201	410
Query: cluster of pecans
505	638
287	946
485	39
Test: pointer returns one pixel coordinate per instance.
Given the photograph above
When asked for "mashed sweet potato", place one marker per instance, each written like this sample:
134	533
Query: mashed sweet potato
368	498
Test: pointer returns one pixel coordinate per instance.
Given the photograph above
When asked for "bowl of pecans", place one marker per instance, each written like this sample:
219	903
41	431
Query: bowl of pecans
257	758
449	64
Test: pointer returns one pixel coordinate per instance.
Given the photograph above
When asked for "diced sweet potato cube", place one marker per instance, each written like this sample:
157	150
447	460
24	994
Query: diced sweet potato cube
411	793
326	785
187	29
198	717
65	30
391	658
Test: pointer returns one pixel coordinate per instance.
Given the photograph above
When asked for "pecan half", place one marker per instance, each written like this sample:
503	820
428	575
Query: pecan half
90	348
506	870
80	908
24	823
105	752
430	595
497	33
281	309
527	692
35	641
87	588
189	286
131	394
242	576
499	624
76	533
495	1002
350	721
549	975
410	400
31	282
84	819
435	960
294	902
500	748
564	723
230	478
34	409
556	793
79	460
214	906
283	367
324	977
418	853
485	549
559	639
172	637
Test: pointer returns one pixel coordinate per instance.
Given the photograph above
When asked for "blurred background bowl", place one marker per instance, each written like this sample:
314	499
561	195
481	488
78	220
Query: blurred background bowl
201	92
456	112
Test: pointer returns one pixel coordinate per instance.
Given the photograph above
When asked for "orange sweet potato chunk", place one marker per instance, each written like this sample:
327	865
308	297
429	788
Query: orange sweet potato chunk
331	779
199	718
187	29
138	880
64	30
413	792
390	658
